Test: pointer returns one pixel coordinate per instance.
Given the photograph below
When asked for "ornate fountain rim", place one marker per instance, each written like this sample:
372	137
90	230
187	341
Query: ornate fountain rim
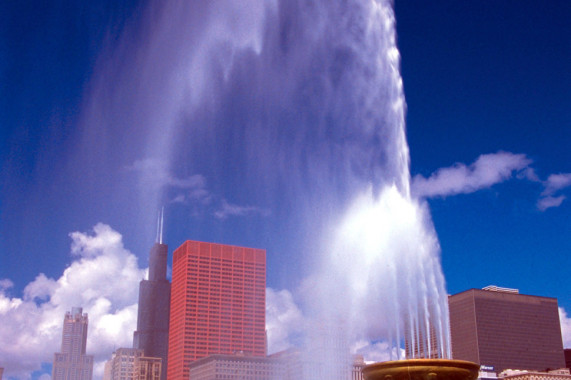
422	369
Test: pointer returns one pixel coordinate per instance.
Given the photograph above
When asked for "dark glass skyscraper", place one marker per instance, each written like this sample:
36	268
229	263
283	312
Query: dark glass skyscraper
500	328
154	305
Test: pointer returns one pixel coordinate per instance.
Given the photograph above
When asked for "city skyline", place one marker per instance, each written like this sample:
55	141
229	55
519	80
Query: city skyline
487	98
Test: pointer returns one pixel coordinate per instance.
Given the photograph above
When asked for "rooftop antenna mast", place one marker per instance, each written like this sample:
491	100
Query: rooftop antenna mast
158	226
160	223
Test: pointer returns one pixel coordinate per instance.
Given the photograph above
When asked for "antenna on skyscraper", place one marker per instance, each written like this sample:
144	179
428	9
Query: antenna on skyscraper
158	226
162	221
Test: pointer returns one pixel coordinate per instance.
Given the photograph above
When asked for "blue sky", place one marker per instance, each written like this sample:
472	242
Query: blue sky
484	77
96	129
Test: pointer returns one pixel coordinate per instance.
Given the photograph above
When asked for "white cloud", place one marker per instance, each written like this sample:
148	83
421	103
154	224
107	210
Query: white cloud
104	280
40	289
556	182
197	197
156	172
376	351
284	320
191	191
486	171
565	321
227	209
5	284
529	174
547	202
553	184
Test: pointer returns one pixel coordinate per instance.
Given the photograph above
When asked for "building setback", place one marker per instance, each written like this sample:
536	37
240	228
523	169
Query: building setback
72	363
154	305
217	304
500	328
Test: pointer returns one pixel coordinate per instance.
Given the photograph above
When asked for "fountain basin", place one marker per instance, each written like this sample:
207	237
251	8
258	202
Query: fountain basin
422	369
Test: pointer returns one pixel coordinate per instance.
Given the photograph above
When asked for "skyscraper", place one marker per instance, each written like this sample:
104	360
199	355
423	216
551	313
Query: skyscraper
500	328
72	363
217	303
154	305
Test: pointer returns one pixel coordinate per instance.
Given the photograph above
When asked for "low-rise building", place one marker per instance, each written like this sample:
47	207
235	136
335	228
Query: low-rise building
130	364
557	374
122	363
146	368
357	368
237	366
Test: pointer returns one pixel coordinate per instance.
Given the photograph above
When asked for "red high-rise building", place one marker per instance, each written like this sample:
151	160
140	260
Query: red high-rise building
218	303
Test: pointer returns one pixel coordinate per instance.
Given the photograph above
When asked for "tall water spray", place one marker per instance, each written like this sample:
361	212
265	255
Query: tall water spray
298	104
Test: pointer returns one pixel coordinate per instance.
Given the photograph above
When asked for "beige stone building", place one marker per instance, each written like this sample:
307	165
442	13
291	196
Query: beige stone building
236	367
72	363
130	364
146	368
558	374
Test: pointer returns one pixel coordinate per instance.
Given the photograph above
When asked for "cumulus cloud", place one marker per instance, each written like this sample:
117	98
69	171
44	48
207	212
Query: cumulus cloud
565	321
284	320
486	171
103	279
40	289
227	209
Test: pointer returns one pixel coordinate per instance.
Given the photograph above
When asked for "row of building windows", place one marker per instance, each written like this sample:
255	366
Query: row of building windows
223	262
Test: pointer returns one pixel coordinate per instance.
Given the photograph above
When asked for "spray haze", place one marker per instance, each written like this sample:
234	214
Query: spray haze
298	105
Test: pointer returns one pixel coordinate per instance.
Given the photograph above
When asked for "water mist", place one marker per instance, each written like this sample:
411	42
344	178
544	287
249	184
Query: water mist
298	105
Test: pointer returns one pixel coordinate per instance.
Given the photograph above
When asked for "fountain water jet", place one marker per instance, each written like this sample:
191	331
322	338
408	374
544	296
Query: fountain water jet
298	105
